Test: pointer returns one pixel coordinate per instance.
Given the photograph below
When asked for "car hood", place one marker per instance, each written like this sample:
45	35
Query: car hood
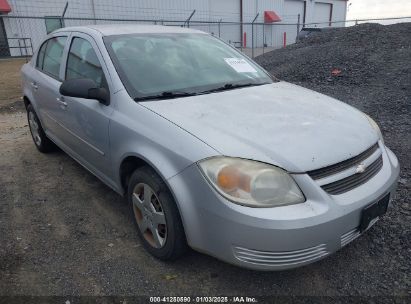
280	123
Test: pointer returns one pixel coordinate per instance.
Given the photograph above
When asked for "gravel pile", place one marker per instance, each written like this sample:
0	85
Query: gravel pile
366	54
369	67
365	65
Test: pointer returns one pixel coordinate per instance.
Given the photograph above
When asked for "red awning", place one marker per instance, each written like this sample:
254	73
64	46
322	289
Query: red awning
271	16
4	7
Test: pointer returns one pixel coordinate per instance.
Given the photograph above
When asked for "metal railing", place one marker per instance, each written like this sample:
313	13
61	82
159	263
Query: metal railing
22	45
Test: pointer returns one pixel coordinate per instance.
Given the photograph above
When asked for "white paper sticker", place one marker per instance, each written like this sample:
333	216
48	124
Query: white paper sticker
240	65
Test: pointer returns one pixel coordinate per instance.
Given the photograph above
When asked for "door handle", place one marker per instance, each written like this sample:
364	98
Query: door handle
62	103
34	85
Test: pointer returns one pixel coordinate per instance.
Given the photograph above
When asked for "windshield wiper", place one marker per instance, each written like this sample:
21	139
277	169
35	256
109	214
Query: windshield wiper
177	94
165	95
230	86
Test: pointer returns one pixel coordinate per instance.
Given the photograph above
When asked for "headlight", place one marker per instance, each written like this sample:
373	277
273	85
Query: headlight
251	183
375	127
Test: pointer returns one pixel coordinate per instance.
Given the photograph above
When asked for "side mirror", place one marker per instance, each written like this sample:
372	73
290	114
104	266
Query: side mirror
84	88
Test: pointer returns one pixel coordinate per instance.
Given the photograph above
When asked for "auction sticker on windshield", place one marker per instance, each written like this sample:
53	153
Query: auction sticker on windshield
240	65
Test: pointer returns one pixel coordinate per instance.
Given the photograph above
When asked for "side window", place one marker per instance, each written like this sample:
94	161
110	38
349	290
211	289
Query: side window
83	62
50	54
40	56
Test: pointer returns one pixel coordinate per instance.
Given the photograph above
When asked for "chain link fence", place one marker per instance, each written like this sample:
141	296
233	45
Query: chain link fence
22	35
25	33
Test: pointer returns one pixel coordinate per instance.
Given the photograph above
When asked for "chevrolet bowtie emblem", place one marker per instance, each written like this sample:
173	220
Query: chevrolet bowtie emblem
360	168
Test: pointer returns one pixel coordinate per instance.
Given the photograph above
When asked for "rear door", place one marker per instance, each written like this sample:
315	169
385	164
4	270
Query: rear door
86	121
45	83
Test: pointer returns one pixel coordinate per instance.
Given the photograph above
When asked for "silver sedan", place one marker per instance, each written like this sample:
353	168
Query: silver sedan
210	150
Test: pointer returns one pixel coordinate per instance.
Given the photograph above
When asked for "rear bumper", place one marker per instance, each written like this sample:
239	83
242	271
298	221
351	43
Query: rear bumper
282	237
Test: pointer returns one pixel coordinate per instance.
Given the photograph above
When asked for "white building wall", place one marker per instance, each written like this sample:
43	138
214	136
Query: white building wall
323	14
226	11
316	11
339	12
270	35
313	11
178	10
293	8
36	28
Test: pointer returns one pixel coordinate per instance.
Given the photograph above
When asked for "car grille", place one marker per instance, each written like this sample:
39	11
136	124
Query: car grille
353	181
330	170
350	182
280	258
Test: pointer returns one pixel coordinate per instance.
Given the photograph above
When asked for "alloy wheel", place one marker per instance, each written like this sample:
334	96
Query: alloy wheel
34	128
149	215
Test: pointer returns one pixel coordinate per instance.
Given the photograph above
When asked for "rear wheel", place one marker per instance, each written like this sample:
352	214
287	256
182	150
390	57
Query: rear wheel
42	142
156	215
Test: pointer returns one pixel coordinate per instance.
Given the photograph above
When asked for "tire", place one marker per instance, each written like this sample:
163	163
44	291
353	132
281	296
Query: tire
170	242
41	141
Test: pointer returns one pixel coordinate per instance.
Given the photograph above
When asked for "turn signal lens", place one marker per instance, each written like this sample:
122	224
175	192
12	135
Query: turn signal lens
230	178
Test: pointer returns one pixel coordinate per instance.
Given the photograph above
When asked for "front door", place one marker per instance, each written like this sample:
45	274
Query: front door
87	120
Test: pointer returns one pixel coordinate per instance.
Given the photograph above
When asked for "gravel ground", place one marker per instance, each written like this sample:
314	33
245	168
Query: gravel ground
10	91
372	72
63	232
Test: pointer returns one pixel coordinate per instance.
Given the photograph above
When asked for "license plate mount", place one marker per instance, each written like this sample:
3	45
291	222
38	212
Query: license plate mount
373	211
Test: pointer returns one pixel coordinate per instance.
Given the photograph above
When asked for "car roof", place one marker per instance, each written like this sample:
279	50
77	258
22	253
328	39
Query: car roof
120	29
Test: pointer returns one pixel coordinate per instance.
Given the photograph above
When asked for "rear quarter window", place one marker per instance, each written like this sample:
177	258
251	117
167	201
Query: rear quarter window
50	56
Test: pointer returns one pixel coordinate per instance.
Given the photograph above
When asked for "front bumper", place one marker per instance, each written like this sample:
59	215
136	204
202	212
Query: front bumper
281	237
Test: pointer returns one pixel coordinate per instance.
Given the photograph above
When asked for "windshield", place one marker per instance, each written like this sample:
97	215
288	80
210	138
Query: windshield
168	65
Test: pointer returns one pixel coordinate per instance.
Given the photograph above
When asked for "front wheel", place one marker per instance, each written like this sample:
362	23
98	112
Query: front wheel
156	215
42	142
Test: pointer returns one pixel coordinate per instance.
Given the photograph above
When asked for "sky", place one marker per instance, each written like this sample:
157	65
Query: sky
358	9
